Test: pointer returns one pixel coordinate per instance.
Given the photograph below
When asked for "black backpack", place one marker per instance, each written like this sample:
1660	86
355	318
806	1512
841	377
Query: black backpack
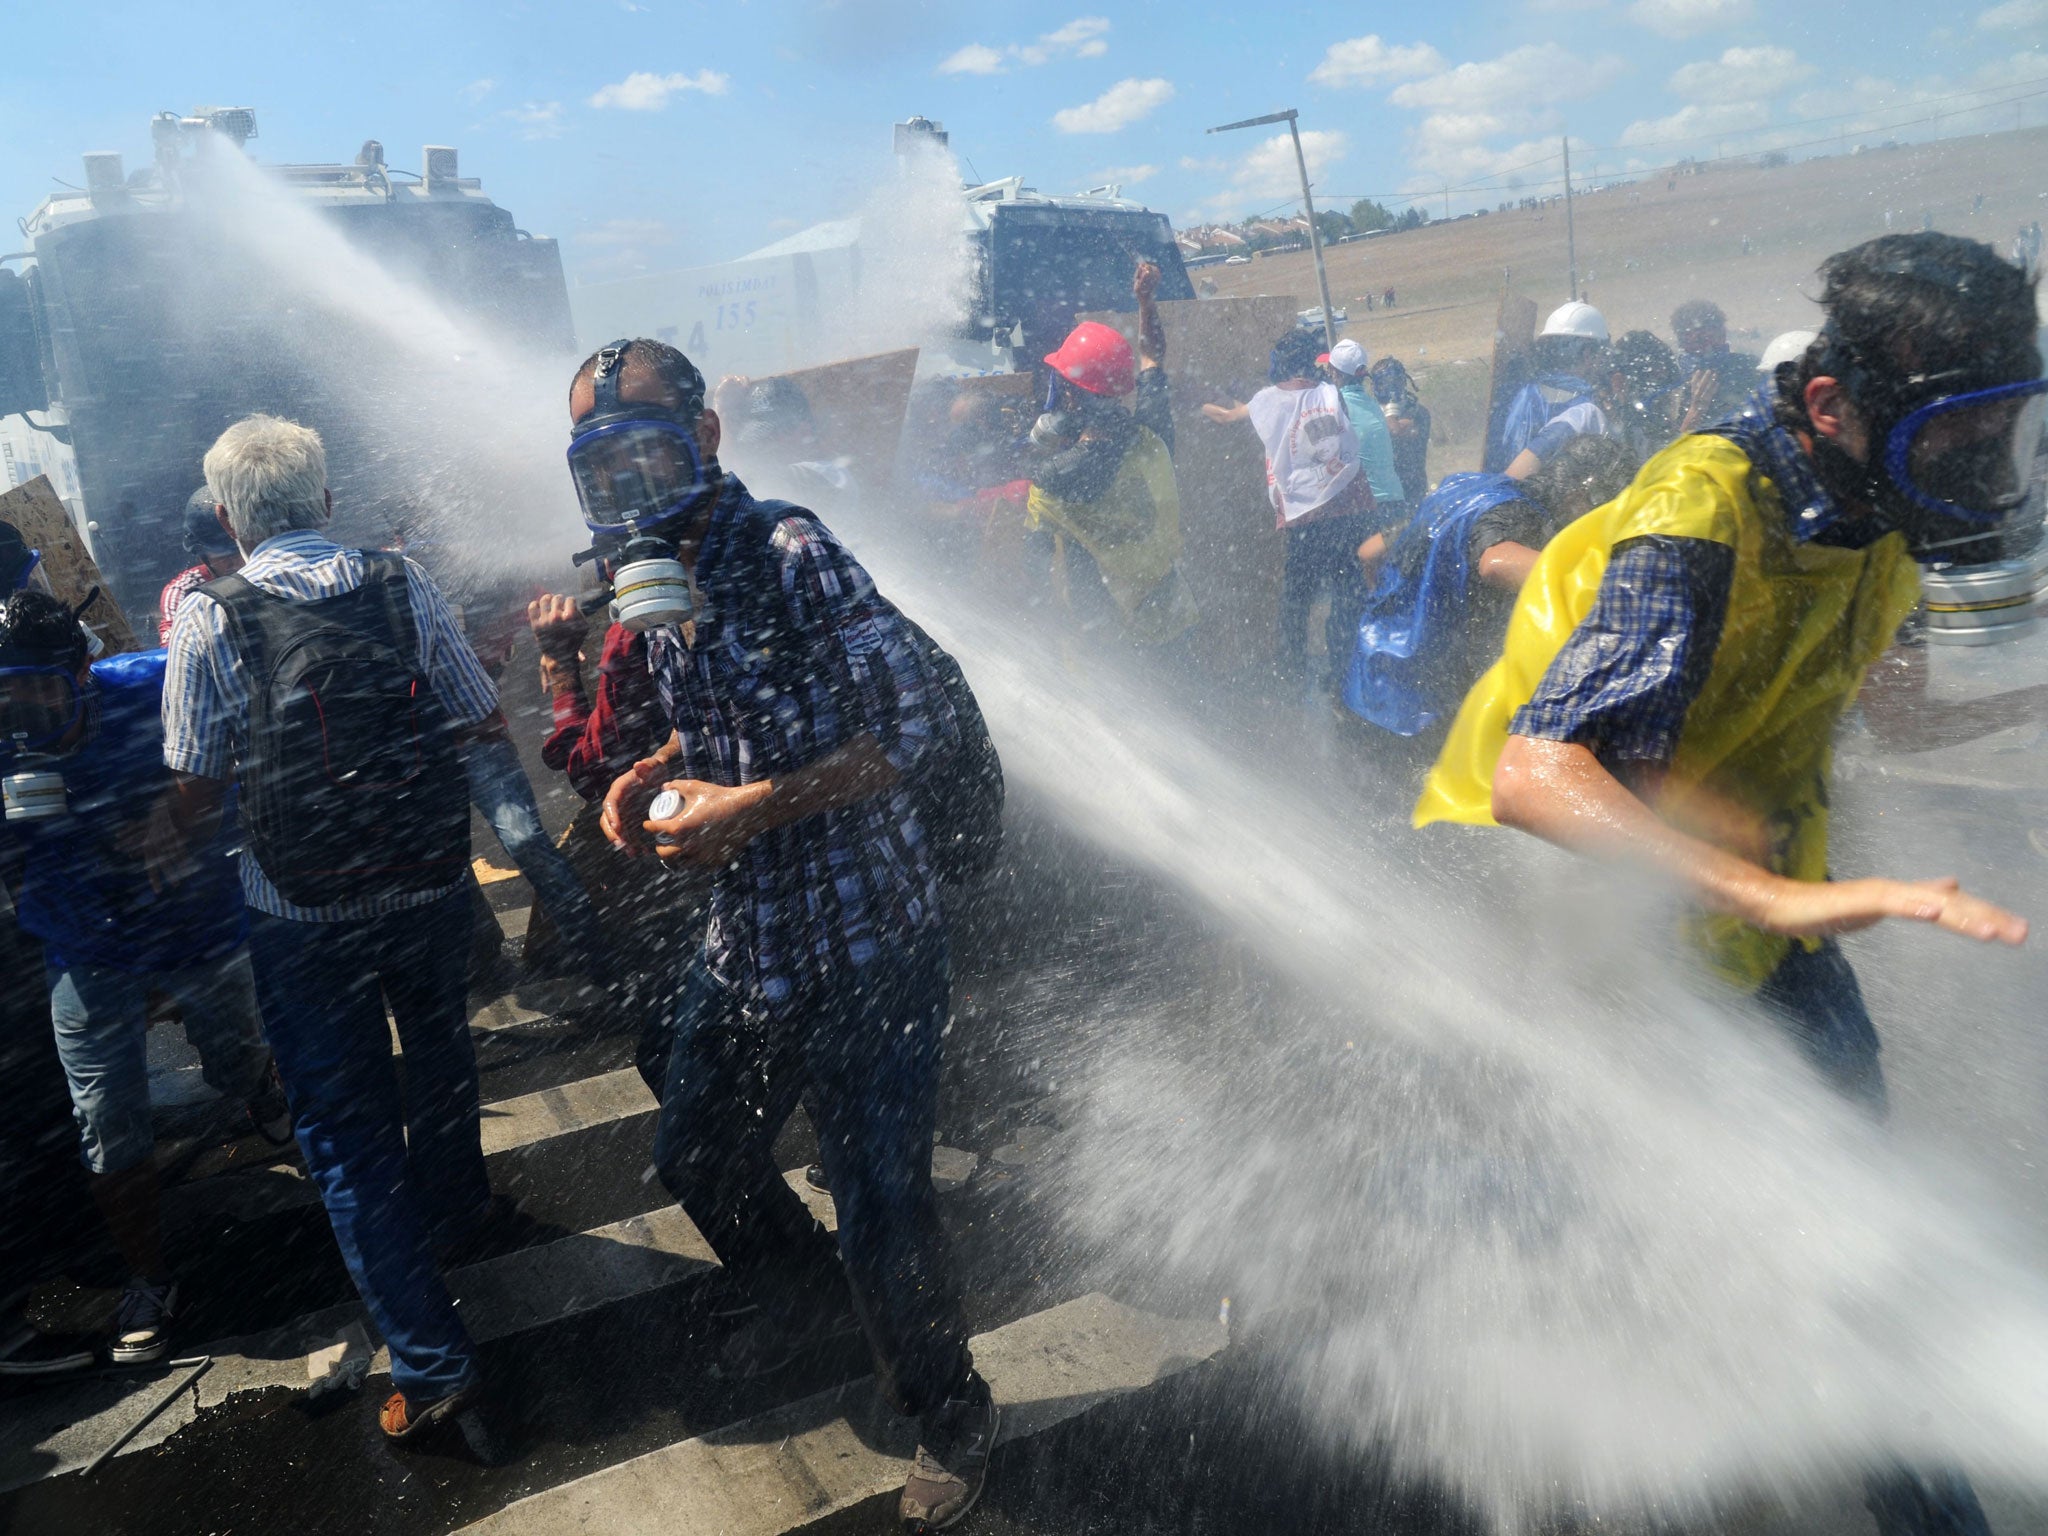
958	790
351	786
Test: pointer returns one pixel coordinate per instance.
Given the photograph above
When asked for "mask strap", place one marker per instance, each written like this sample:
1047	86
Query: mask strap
604	378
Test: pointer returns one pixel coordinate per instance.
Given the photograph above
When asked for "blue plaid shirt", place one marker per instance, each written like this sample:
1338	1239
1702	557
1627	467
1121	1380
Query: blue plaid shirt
206	687
793	655
1623	682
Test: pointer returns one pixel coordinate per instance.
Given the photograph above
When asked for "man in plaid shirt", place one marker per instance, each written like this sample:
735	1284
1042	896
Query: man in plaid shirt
801	708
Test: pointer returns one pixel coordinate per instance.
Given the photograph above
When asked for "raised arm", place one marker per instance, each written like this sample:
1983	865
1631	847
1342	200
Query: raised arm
1151	334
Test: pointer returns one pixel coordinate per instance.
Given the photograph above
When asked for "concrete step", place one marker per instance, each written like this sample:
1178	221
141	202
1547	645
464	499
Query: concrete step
798	1463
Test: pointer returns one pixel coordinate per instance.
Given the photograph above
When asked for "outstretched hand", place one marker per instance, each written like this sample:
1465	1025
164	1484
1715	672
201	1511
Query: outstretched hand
1816	908
1145	282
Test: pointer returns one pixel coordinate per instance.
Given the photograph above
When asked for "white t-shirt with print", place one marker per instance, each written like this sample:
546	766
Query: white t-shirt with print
1311	450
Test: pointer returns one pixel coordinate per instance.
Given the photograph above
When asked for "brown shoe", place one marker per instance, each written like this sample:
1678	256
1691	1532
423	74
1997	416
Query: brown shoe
954	1442
402	1420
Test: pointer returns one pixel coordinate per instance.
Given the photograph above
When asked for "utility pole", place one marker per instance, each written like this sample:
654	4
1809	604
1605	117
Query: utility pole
1447	202
1571	233
1315	235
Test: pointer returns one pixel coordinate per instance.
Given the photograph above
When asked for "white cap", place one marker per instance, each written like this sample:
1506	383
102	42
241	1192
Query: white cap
1348	358
1783	349
1576	319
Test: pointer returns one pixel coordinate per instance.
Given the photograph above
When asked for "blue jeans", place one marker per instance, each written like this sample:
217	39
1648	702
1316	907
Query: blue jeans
397	1171
101	1017
869	1053
1815	996
503	795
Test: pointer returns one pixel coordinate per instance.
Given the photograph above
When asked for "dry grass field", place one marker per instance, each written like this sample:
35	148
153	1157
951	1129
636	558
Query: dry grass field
1645	248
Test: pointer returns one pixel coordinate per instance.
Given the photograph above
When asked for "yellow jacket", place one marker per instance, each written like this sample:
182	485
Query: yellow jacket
1133	534
1803	624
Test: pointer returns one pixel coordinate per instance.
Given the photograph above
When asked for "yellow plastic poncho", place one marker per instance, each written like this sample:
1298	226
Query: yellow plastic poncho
1803	624
1133	534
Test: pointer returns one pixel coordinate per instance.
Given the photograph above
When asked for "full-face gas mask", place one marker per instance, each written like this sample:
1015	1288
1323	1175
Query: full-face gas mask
1951	459
39	707
641	480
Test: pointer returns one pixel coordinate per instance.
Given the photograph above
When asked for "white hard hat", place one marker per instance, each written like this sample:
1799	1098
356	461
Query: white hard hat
1783	349
1576	319
1348	358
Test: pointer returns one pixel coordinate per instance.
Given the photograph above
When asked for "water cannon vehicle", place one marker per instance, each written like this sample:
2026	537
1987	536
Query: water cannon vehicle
1036	262
132	329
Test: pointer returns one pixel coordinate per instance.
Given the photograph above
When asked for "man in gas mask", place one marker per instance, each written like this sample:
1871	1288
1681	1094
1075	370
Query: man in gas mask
1678	659
800	705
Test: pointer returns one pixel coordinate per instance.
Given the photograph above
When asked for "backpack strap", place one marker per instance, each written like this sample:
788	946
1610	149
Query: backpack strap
385	569
238	598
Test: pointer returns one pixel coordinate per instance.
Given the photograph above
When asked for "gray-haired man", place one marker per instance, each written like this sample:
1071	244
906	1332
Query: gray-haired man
330	685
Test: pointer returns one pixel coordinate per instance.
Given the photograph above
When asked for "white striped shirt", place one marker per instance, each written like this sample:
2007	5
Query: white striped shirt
206	688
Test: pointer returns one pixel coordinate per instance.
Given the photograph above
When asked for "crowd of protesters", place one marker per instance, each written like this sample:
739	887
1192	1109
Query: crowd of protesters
266	821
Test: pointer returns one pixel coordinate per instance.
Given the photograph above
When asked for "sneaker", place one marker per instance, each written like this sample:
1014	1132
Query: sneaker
142	1322
270	1113
26	1351
954	1442
761	1346
402	1420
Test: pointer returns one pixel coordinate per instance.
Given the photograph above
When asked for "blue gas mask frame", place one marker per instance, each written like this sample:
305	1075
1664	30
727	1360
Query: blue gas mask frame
637	468
1970	455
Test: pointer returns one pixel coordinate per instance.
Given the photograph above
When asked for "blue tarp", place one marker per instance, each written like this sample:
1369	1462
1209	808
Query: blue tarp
1416	614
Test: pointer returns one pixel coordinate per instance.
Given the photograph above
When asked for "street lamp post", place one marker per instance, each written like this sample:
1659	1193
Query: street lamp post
1315	235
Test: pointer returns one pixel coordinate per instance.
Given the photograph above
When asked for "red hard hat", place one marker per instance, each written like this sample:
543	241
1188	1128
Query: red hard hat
1095	357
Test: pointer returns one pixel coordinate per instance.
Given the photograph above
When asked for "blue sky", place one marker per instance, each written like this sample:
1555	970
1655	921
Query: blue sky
658	133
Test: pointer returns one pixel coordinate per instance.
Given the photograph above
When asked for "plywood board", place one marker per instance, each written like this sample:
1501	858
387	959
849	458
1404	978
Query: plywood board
1216	352
34	509
857	406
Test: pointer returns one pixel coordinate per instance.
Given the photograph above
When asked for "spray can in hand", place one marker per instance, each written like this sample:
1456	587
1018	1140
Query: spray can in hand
667	804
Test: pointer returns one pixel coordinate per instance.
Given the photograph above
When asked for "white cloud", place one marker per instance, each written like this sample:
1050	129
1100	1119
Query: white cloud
974	59
1537	74
1124	175
1368	60
1883	103
1085	37
477	90
1689	18
1699	120
1267	172
1122	104
2014	16
1740	74
644	91
537	119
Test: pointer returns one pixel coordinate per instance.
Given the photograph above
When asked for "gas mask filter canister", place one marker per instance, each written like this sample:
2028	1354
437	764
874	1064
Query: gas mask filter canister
651	588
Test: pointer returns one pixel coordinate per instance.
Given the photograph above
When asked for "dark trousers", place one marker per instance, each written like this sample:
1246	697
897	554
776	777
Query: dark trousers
1323	556
42	1188
1815	996
399	1171
869	1054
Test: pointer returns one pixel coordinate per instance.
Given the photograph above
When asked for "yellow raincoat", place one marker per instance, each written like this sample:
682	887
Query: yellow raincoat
1803	624
1133	534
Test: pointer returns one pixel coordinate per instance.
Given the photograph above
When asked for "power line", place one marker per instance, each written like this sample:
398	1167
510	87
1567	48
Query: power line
1493	181
1839	117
